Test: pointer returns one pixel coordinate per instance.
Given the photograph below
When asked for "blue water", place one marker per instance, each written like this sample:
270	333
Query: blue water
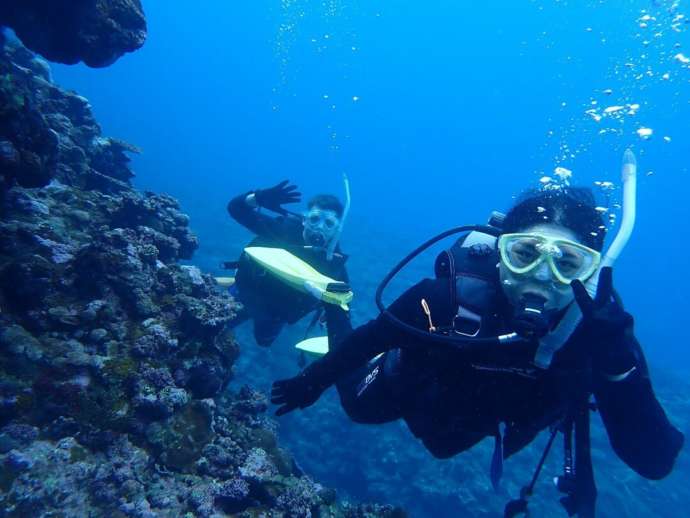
439	111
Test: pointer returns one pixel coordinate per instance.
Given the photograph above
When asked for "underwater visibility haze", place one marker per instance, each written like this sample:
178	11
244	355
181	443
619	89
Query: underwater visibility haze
424	105
439	112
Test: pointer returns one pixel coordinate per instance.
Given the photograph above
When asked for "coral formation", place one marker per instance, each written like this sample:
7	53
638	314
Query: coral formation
96	32
115	359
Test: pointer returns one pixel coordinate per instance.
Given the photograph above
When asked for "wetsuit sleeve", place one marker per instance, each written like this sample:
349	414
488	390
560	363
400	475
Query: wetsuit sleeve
252	219
376	336
637	426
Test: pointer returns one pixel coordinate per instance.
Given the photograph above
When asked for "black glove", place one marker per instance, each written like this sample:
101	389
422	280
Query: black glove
299	392
280	194
605	326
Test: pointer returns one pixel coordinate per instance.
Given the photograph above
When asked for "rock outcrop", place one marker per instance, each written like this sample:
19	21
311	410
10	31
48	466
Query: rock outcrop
96	32
114	358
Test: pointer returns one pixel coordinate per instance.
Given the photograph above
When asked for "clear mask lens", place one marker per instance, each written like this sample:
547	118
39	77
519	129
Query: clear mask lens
573	262
522	253
324	223
318	220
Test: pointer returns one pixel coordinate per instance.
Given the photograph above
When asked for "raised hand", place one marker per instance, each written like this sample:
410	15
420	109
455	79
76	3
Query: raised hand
602	315
606	325
274	197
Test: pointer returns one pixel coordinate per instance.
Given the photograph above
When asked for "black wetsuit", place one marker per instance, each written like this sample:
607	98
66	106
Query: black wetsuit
452	399
265	299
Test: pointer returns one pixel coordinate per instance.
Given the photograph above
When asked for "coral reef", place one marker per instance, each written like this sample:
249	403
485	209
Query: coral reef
114	358
96	32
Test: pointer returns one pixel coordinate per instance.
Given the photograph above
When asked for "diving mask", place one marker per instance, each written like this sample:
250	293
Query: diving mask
320	226
568	260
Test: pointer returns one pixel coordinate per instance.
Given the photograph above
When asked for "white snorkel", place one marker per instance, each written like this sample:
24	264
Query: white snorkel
334	241
565	328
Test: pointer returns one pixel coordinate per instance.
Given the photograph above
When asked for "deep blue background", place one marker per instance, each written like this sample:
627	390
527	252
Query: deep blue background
456	100
460	106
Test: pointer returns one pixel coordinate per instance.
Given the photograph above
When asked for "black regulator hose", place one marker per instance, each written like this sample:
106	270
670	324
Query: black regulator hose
458	342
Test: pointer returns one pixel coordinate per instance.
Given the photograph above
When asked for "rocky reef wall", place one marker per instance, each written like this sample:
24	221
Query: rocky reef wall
96	32
114	358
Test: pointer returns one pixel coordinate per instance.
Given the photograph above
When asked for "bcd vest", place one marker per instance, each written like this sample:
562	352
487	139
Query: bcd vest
470	266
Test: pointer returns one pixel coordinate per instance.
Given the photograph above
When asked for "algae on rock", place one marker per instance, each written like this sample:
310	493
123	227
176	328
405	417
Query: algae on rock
114	359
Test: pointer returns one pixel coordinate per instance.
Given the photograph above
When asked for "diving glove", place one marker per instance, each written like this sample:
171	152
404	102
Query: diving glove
274	197
606	326
301	391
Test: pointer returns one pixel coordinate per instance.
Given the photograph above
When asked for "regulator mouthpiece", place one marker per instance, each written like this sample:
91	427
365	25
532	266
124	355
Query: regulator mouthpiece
315	239
531	320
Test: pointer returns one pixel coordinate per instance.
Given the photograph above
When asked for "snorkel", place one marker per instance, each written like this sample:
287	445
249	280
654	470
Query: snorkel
334	240
552	342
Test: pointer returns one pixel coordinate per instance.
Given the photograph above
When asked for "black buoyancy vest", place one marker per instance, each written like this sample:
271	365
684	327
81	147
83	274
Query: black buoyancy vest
470	266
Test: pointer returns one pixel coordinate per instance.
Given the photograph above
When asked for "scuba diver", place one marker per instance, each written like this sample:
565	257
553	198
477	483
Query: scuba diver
267	299
519	328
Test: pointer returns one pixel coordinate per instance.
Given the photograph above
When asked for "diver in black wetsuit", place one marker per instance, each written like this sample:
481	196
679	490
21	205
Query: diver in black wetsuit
265	299
453	397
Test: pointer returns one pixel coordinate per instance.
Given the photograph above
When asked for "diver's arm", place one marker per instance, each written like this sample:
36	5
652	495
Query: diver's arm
637	426
360	346
380	335
306	388
244	210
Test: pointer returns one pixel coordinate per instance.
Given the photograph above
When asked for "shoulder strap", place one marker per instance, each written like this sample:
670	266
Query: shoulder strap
470	267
